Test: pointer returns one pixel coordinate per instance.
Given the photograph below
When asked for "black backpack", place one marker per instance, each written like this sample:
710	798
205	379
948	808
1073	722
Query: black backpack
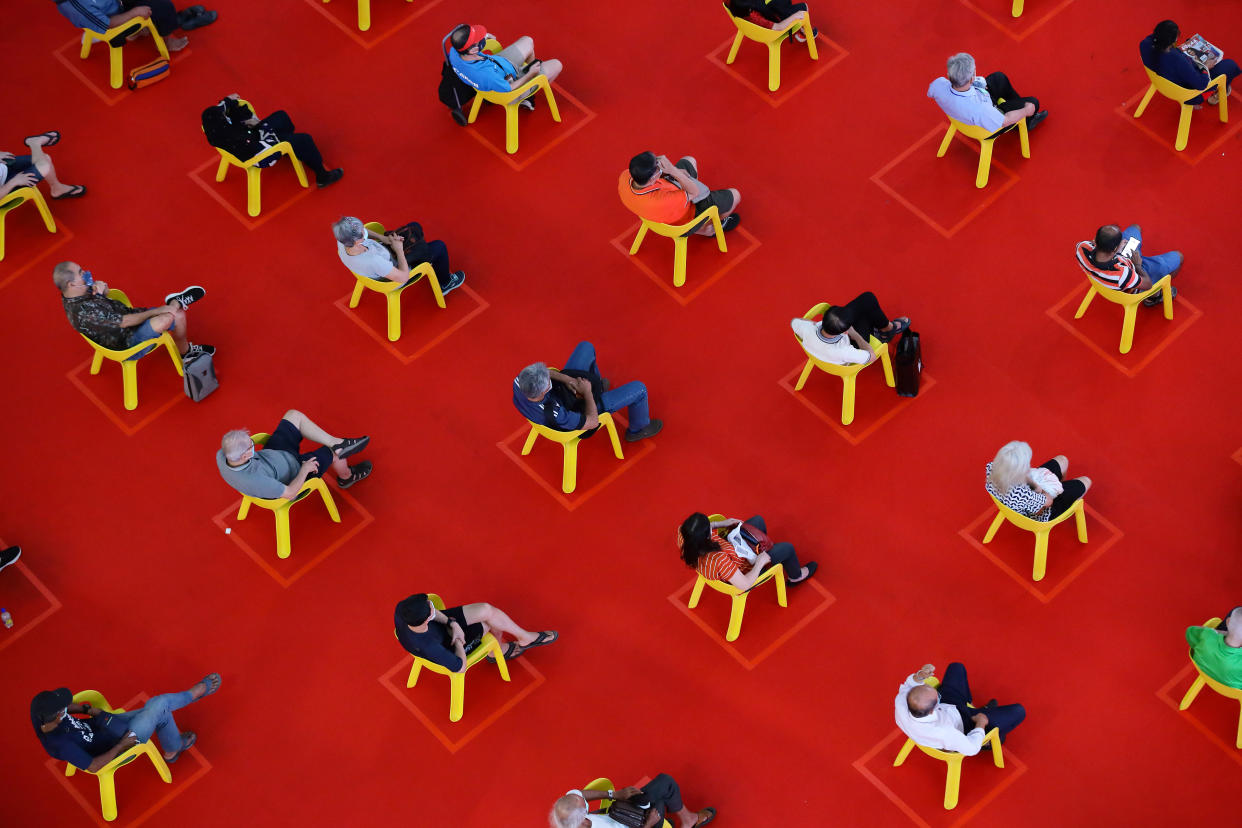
454	92
909	364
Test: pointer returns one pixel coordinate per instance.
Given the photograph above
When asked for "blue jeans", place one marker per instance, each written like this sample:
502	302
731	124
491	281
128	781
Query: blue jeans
955	690
141	334
631	396
1157	267
156	717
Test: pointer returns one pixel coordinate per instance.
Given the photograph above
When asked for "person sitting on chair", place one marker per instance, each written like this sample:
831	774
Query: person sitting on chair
655	189
936	719
447	636
1135	273
705	549
389	258
1218	653
773	14
991	102
572	400
280	469
661	797
1041	493
91	743
28	170
114	325
235	128
856	322
510	68
1171	63
101	15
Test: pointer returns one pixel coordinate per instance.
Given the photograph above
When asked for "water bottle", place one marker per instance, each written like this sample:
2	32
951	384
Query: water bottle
6	618
87	278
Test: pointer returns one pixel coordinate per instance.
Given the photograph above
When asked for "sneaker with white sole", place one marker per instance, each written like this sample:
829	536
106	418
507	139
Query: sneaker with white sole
455	280
1157	298
9	556
186	297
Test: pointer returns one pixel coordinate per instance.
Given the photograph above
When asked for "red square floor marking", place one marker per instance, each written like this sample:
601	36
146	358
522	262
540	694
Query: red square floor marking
424	324
765	627
981	782
952	176
535	128
595	457
751	67
277	183
824	389
29	604
655	258
1160	122
1104	319
137	784
1017	546
381	12
160	387
307	521
135	54
1222	712
29	237
488	697
1004	20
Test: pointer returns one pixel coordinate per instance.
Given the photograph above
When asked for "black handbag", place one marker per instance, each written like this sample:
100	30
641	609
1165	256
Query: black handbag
629	812
909	364
571	401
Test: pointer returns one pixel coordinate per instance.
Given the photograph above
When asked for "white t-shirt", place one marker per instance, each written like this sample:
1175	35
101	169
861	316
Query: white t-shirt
602	820
837	351
375	262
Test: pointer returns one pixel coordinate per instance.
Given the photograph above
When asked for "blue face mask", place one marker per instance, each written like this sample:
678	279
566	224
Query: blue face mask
88	278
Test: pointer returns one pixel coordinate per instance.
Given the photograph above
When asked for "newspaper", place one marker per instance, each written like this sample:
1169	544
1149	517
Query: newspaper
1201	52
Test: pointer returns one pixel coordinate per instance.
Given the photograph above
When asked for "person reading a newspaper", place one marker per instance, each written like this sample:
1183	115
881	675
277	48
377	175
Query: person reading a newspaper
737	552
1193	65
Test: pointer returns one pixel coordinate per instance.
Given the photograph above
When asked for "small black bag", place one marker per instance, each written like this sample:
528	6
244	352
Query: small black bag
909	364
630	813
571	401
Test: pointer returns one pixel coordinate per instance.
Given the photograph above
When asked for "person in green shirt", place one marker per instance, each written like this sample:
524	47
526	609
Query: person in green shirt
1218	652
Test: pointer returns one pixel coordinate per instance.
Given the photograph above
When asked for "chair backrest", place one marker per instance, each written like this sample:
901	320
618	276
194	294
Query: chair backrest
16	198
832	367
436	601
1223	689
677	230
511	97
601	784
124	354
1120	297
94	698
1027	523
722	586
1171	90
977	132
754	31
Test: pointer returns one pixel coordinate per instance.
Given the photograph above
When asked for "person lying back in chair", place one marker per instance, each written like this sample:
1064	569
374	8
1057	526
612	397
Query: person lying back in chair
281	468
936	719
511	68
843	336
234	127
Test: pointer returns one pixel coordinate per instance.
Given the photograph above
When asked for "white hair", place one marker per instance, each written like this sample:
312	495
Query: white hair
534	380
349	230
1010	466
960	69
235	443
569	812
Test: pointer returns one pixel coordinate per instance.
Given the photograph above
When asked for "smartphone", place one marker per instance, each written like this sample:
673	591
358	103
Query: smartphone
1130	246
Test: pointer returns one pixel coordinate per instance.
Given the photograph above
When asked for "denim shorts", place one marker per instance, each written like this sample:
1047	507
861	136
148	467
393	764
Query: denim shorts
141	334
286	437
21	164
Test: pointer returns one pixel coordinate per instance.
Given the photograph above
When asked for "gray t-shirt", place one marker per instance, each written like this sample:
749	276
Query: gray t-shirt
374	263
265	475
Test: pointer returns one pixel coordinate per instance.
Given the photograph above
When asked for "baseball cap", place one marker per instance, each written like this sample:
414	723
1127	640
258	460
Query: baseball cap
47	702
477	34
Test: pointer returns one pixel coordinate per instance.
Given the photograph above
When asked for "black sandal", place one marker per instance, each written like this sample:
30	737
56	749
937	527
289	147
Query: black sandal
512	650
188	738
900	324
212	681
52	136
544	637
811	567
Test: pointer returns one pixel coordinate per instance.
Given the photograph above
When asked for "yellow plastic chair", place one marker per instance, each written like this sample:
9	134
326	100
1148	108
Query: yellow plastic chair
677	232
1017	8
129	366
569	441
1182	95
252	169
457	681
985	140
952	783
1040	528
392	290
280	505
107	785
772	38
117	73
364	14
511	101
1130	302
605	784
16	198
847	373
738	609
1224	689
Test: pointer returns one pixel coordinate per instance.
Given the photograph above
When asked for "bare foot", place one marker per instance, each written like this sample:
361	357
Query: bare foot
176	44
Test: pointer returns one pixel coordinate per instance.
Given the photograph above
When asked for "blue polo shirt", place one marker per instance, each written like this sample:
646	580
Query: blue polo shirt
561	418
487	75
79	741
1173	65
90	14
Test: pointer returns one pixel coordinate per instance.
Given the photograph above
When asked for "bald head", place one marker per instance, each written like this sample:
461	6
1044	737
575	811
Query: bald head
570	811
1233	622
922	700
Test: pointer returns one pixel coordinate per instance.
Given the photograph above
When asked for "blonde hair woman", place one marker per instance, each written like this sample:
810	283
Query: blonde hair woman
1041	493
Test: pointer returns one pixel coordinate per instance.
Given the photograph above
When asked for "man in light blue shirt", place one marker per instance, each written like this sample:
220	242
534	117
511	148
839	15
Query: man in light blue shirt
991	102
510	68
101	15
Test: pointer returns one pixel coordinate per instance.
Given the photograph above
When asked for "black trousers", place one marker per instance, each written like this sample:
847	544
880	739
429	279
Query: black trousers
1071	490
864	314
955	690
417	250
781	553
1000	87
664	795
163	14
303	145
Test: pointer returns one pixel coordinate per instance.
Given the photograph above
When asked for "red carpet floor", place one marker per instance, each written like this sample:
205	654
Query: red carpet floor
129	584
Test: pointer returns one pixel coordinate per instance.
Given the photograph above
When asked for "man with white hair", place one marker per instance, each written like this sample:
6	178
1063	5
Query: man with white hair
1218	652
990	102
389	258
280	469
660	798
572	399
935	720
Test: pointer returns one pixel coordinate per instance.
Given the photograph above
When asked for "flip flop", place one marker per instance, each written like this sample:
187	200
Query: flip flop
77	191
711	814
512	650
52	136
900	324
212	680
811	568
188	738
544	637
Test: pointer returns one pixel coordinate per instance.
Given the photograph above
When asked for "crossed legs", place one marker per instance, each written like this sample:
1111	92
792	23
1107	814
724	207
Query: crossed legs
495	621
311	431
522	51
43	163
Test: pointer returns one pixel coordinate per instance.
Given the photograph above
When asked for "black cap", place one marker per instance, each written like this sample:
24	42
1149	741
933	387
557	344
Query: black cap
47	702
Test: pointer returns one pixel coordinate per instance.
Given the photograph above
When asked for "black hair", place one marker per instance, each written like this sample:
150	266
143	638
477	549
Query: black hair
643	167
414	610
1165	35
833	322
458	36
1107	238
697	539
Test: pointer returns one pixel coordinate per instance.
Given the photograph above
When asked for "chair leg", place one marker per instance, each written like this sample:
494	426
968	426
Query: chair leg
501	665
299	170
161	766
887	364
551	99
1168	301
107	796
806	372
415	669
116	67
638	240
616	440
329	503
1024	138
1142	107
679	261
952	784
1192	692
530	441
245	508
1224	104
1238	740
781	597
1041	556
1086	300
173	354
569	475
1000	518
1017	8
283	546
735	617
252	191
1127	328
695	594
985	164
129	382
48	221
457	696
737	42
2	215
1080	521
394	315
809	30
511	128
436	292
847	399
474	109
1183	127
87	42
774	66
903	753
719	228
364	15
948	139
998	755
222	170
356	296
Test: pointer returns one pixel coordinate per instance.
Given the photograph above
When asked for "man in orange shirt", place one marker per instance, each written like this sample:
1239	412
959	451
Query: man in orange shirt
658	190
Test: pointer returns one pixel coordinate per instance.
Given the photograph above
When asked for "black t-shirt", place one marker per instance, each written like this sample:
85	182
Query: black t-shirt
78	741
432	645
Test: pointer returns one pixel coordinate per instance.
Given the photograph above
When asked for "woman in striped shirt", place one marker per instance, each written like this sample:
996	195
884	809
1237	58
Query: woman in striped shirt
713	557
1033	492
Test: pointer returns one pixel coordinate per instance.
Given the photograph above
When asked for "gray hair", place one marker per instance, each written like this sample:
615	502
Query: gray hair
961	69
349	230
568	812
235	443
62	275
534	380
1010	466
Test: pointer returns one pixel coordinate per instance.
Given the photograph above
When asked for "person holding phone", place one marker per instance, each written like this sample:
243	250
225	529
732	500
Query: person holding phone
1103	262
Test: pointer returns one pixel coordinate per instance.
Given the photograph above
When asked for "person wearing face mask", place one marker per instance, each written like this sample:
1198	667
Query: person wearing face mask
280	469
112	324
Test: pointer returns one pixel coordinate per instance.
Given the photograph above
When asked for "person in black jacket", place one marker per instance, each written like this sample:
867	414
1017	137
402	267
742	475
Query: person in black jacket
233	126
774	14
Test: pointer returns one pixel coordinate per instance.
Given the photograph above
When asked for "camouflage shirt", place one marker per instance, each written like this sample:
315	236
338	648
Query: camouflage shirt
98	318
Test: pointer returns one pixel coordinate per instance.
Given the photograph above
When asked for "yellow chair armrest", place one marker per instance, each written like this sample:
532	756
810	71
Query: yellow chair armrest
1212	623
817	310
282	147
124	759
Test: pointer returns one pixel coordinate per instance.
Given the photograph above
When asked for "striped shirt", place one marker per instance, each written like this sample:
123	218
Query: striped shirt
722	565
1021	498
1118	273
90	14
